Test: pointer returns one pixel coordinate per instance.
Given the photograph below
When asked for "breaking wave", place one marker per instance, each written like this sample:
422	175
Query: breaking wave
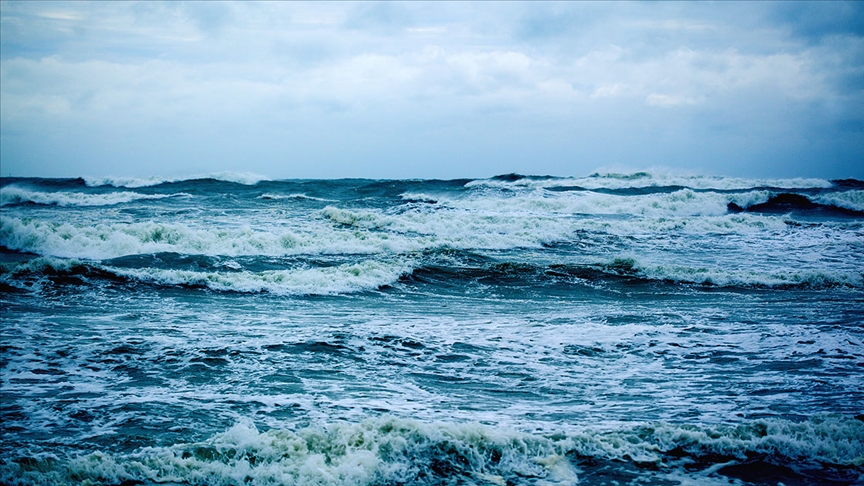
852	200
107	241
289	197
721	276
326	280
12	194
837	204
647	179
245	178
390	450
439	269
341	279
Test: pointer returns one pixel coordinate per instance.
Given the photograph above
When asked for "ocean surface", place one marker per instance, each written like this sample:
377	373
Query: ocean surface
639	328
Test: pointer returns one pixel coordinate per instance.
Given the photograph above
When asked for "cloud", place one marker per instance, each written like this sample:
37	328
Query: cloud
414	89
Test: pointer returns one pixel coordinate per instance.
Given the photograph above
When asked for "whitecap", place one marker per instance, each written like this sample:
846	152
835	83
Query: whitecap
17	195
245	178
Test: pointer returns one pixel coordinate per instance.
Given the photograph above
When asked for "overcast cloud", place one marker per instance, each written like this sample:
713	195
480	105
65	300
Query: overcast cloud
444	90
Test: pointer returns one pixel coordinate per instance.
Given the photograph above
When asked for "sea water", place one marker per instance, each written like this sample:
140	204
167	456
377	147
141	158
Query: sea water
638	328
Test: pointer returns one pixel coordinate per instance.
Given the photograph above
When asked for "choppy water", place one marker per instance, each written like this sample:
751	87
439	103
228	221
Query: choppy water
609	329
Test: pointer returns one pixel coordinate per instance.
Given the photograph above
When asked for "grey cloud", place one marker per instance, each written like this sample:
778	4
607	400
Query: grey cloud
423	89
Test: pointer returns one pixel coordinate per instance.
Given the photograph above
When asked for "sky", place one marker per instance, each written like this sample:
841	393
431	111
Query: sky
431	90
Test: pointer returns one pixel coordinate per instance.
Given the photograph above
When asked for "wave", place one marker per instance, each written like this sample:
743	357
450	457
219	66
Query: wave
678	203
627	269
645	179
11	195
721	276
106	241
441	269
324	280
245	178
283	197
341	279
852	200
796	203
390	450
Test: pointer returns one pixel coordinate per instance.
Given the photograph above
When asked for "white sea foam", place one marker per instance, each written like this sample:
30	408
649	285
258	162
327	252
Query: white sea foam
681	203
530	221
756	275
392	450
342	279
105	241
39	265
853	200
458	228
279	197
246	178
16	195
653	178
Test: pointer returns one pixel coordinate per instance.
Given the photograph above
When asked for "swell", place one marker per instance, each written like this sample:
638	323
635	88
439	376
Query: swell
848	204
626	271
244	178
440	270
17	195
655	178
389	450
292	279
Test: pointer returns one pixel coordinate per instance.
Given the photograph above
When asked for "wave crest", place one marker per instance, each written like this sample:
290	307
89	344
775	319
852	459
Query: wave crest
10	195
646	179
245	178
341	279
391	450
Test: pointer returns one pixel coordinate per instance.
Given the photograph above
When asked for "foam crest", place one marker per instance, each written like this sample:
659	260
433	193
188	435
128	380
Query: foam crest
651	178
852	200
282	197
459	228
826	439
341	279
684	212
354	232
724	276
40	265
680	203
107	241
245	178
18	195
390	450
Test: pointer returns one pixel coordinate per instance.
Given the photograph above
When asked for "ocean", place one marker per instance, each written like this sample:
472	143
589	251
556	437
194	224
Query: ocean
616	328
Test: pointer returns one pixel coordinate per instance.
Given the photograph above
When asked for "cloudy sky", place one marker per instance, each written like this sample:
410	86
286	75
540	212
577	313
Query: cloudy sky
431	90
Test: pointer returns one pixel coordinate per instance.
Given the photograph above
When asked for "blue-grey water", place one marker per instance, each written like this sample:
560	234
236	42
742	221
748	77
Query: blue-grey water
645	328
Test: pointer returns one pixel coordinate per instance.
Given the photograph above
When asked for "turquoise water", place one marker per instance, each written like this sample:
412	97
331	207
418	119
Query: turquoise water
609	329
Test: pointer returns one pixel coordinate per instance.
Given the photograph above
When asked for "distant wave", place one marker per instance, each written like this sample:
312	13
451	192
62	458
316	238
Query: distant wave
245	178
389	450
675	203
281	197
849	203
652	178
13	194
